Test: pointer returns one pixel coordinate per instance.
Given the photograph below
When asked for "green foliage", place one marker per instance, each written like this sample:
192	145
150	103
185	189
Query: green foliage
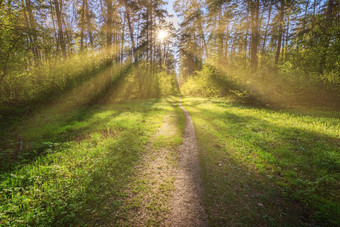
287	87
167	84
48	48
202	83
145	84
51	78
288	56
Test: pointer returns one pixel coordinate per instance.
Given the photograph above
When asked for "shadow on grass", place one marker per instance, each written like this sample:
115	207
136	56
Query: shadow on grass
90	168
257	171
72	106
73	126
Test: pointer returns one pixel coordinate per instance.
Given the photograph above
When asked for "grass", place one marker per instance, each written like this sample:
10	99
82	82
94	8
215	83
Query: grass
115	164
268	167
74	167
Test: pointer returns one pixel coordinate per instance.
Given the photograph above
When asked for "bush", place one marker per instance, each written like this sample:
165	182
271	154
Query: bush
202	83
51	78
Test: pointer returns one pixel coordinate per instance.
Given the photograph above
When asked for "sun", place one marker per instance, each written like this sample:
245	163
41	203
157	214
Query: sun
162	35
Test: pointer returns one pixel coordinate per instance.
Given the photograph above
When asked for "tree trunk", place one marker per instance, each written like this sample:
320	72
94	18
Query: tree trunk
266	33
109	23
82	23
147	32
220	37
305	18
254	10
287	37
151	37
134	51
279	40
122	39
28	27
327	35
33	30
226	44
266	30
128	17
203	36
88	20
245	46
58	10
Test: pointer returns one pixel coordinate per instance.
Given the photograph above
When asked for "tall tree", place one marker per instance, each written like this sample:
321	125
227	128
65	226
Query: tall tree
254	11
280	31
58	4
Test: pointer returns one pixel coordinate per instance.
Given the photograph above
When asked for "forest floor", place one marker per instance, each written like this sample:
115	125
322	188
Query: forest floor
267	167
139	163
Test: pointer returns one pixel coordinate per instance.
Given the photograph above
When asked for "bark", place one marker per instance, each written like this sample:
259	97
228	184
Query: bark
226	44
32	30
287	37
203	36
245	46
151	39
109	23
29	35
128	17
122	40
266	30
313	18
134	51
147	32
220	37
265	34
82	24
88	20
54	26
279	40
327	35
61	41
305	18
254	10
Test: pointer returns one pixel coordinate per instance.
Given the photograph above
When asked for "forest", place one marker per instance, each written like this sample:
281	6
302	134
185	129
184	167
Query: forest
169	112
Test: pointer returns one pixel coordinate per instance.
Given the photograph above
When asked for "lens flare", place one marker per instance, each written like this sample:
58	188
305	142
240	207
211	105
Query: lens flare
162	35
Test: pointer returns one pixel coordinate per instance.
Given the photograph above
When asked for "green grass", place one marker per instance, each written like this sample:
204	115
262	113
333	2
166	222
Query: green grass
268	167
90	166
75	166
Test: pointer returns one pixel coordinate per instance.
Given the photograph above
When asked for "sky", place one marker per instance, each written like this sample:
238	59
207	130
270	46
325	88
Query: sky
171	11
176	21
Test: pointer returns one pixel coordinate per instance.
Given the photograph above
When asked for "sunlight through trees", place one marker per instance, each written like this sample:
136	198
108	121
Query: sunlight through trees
91	129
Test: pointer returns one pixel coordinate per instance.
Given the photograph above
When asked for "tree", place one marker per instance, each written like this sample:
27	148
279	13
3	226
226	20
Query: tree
254	12
280	32
58	4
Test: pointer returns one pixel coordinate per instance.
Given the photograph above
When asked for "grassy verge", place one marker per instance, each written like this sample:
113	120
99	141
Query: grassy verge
75	169
268	167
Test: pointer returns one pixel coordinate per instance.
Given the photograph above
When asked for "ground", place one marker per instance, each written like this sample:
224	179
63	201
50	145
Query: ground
139	163
267	167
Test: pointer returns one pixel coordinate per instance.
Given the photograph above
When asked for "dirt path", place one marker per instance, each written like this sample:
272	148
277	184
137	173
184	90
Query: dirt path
186	205
166	189
149	193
